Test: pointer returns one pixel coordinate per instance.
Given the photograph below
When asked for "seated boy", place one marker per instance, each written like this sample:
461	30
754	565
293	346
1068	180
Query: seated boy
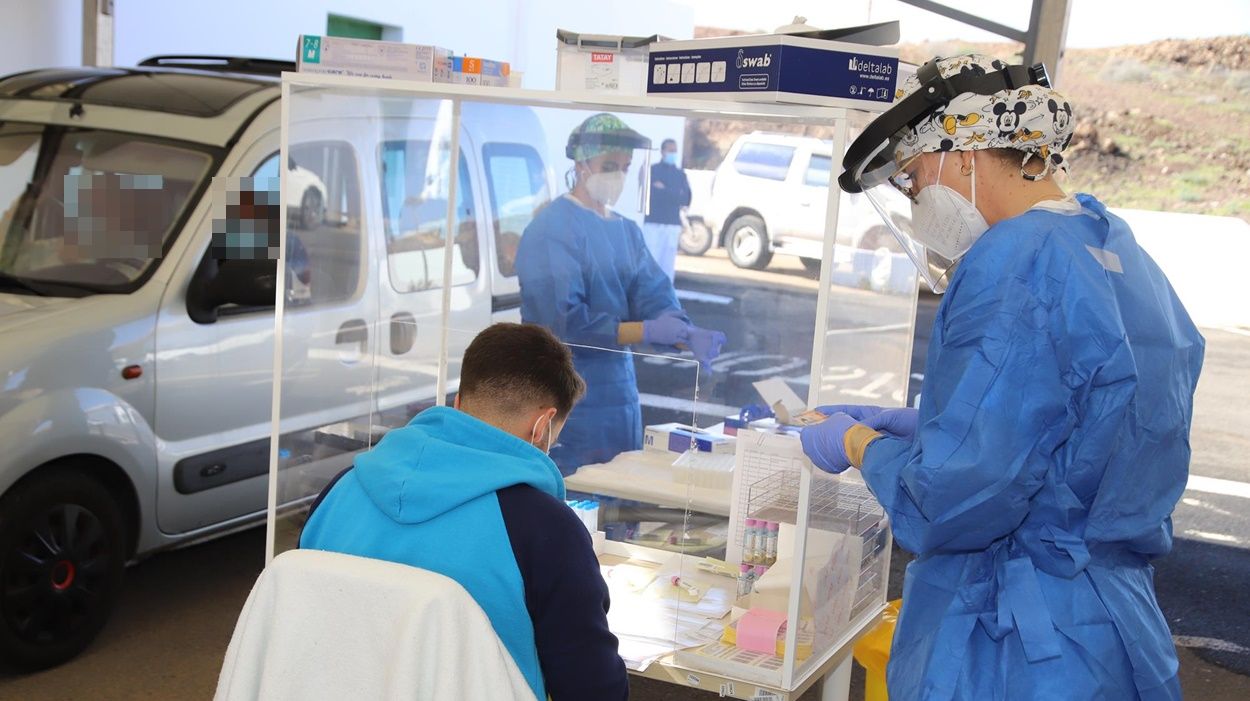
470	493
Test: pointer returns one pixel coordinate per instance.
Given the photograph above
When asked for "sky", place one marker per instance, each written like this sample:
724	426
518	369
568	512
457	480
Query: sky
1093	23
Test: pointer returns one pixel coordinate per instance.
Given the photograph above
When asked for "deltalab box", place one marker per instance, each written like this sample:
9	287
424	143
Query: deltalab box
777	68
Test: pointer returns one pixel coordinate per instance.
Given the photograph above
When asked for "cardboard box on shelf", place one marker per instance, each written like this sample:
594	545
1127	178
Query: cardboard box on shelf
777	68
363	58
468	70
602	62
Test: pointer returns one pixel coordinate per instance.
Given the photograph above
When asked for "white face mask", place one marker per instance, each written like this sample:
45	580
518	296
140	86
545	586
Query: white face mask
606	188
944	220
535	434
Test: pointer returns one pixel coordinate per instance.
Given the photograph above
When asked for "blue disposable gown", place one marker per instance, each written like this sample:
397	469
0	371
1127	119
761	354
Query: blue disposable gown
1053	445
582	275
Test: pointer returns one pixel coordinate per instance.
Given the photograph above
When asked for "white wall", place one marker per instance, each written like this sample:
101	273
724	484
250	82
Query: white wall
39	34
517	31
42	33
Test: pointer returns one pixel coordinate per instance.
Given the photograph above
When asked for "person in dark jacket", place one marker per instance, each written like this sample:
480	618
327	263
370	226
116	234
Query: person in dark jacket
469	492
670	192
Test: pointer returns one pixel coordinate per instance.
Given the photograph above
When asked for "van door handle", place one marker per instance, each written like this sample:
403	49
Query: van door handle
353	331
403	333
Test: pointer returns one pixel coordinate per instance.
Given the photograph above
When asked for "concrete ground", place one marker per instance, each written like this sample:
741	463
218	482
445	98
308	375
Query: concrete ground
178	610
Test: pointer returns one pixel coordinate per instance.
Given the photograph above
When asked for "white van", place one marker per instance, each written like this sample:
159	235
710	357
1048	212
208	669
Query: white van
135	392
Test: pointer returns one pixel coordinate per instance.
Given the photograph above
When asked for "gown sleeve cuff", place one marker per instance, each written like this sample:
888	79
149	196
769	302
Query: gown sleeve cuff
856	441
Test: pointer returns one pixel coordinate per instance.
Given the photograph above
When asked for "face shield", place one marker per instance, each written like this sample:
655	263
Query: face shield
890	191
870	166
612	162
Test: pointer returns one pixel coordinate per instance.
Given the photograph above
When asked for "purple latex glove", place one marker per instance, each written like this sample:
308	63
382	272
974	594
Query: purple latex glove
668	329
859	412
825	443
899	423
706	345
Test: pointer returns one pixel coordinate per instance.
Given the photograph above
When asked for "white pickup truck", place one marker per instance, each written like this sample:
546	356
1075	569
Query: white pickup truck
769	196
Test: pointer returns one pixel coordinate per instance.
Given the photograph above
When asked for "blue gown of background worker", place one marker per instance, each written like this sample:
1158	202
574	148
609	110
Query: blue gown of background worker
581	276
1052	448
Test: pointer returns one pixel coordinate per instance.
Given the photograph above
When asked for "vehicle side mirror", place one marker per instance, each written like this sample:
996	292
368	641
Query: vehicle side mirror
246	284
290	163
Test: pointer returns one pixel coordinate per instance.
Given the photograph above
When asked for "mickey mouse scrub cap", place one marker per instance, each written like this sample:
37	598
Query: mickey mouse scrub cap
965	103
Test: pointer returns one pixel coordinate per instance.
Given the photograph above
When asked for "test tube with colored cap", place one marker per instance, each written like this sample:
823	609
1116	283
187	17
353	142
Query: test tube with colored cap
749	536
585	513
761	534
744	579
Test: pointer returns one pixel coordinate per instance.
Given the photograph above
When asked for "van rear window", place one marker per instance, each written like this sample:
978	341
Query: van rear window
416	183
518	189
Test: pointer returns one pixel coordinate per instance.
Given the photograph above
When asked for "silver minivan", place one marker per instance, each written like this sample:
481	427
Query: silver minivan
136	382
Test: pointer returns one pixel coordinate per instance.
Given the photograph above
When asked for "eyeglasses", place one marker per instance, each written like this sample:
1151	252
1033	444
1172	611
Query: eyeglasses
903	181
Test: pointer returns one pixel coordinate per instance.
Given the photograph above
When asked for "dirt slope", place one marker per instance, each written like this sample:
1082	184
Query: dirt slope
1162	126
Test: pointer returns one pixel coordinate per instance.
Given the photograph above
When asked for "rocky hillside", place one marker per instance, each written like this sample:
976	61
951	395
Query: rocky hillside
1162	126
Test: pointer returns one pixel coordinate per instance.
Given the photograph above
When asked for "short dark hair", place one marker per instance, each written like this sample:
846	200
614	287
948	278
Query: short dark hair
666	143
513	366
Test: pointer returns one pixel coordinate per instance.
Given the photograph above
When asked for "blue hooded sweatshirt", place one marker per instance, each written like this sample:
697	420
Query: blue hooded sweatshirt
451	494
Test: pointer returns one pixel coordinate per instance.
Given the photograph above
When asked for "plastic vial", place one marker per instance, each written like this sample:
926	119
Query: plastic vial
750	538
761	535
770	544
583	510
744	579
759	571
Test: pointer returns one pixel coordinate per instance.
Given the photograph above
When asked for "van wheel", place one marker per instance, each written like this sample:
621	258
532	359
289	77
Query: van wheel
62	556
311	209
695	239
748	243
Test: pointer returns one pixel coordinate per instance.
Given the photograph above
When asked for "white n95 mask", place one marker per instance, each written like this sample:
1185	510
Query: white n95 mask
944	221
606	188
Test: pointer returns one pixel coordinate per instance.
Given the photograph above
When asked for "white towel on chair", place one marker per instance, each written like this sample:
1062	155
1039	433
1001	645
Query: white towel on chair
321	625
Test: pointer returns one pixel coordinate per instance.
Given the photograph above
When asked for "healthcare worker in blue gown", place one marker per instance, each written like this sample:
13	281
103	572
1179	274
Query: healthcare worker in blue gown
1037	481
586	274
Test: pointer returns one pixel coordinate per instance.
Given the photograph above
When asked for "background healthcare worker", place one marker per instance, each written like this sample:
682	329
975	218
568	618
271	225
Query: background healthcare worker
586	274
1038	479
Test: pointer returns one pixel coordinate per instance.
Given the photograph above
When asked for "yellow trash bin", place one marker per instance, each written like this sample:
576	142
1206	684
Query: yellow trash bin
873	653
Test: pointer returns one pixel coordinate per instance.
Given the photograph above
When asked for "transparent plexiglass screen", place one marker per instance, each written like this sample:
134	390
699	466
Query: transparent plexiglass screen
366	188
845	565
686	290
870	320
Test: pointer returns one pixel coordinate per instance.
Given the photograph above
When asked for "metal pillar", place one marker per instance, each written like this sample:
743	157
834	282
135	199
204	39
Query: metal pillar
1048	32
1043	40
97	32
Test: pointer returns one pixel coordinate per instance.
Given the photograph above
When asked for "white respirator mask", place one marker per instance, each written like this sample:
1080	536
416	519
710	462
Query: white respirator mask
944	221
606	188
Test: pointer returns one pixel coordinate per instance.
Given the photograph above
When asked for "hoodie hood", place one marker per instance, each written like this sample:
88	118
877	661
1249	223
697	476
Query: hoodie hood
445	458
